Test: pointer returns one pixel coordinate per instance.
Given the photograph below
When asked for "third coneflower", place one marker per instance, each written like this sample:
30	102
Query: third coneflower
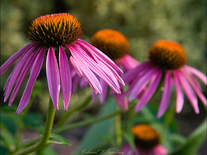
167	59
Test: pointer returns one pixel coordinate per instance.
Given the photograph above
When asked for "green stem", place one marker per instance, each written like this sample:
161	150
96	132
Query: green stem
118	129
81	124
168	120
46	134
69	113
21	125
88	122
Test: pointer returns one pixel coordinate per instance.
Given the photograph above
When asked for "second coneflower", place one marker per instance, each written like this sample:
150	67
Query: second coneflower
167	59
115	46
58	35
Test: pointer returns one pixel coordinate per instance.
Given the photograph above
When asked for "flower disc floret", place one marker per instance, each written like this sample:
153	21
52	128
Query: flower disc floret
111	42
55	30
167	55
145	136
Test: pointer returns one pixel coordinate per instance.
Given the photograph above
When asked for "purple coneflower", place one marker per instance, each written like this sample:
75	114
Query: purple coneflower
115	46
147	142
167	59
58	35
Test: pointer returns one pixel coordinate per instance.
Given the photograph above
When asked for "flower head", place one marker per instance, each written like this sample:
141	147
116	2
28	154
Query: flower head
115	46
167	60
60	32
147	142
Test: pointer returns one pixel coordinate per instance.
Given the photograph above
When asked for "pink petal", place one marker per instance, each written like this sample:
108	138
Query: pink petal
134	81
53	78
93	93
83	83
105	90
112	72
142	83
197	73
130	75
122	102
149	91
93	81
22	75
127	62
179	93
14	57
76	80
101	70
15	73
32	79
75	66
160	150
194	86
165	95
195	81
98	54
65	75
189	92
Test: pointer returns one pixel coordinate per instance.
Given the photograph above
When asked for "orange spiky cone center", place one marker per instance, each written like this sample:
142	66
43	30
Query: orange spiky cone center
167	55
145	136
55	30
111	42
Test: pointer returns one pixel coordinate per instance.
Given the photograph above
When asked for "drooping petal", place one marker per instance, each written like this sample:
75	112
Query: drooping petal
149	91
105	64
189	92
83	82
101	71
127	62
131	74
134	81
32	79
105	90
98	54
22	75
15	73
94	97
93	81
165	95
195	81
75	66
76	80
112	73
179	93
65	75
194	86
197	73
14	57
160	150
122	102
53	78
142	83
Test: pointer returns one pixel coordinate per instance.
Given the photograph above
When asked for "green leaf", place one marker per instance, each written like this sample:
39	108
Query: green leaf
193	142
6	137
47	150
176	138
10	121
33	121
103	128
62	140
3	150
